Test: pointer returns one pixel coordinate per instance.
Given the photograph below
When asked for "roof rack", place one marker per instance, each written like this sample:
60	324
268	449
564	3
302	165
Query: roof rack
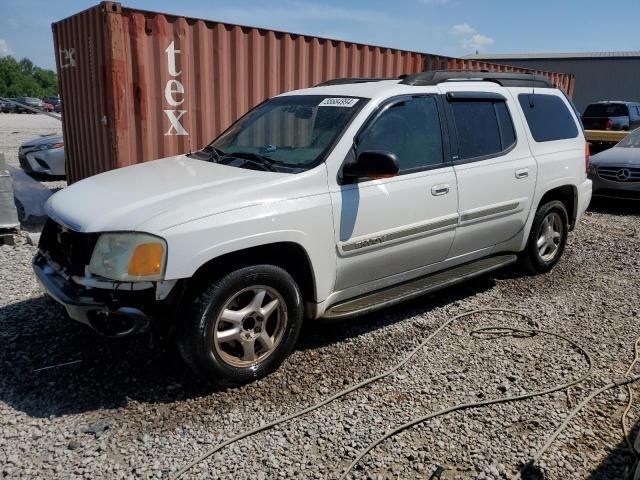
506	79
346	80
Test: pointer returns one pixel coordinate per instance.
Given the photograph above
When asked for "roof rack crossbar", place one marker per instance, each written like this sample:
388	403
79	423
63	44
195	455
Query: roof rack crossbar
346	81
506	79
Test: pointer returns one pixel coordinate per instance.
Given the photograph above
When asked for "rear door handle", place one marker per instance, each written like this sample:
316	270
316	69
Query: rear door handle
438	190
522	173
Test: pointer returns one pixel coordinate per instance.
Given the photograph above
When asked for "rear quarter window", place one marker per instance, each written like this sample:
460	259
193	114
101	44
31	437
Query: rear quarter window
548	117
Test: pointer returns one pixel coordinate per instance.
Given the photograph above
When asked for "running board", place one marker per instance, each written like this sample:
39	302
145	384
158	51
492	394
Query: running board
415	288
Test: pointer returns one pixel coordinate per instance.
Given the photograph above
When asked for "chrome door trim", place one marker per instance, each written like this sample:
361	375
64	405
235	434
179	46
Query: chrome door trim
493	210
384	237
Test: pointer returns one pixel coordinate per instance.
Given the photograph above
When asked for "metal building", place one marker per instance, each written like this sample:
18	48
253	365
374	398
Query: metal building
598	75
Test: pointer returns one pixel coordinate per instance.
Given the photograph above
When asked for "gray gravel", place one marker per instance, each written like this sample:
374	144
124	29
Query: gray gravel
129	409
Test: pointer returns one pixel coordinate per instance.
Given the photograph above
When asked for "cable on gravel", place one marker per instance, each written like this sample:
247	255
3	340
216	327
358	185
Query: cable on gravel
492	332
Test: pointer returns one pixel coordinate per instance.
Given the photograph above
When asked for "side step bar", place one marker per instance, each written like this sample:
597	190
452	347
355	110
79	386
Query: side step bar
415	288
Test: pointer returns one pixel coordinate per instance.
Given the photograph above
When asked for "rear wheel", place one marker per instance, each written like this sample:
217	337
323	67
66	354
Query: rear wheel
243	326
547	238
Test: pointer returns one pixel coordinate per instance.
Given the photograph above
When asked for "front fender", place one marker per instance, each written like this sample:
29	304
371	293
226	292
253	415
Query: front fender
305	221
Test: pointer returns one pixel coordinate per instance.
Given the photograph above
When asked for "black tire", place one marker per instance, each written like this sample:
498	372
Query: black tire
531	259
196	341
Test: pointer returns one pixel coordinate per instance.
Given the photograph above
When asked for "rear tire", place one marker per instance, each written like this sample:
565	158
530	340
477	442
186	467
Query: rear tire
547	238
243	325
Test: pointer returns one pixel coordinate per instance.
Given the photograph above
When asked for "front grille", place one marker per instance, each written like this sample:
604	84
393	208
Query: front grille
71	250
620	174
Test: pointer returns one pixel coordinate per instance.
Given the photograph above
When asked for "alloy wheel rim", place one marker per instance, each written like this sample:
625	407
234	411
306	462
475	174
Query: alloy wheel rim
250	326
550	237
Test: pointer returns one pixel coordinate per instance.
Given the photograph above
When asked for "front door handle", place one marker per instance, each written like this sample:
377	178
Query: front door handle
438	190
522	173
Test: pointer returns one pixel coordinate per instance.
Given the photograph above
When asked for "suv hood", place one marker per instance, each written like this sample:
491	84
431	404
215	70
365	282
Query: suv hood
160	194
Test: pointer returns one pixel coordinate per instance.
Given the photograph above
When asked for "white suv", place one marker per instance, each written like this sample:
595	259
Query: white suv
327	202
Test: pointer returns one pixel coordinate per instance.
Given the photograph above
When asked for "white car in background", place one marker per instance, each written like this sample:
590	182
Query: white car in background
43	156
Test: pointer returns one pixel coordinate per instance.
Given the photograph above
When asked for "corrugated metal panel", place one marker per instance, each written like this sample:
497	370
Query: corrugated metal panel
145	85
224	71
79	42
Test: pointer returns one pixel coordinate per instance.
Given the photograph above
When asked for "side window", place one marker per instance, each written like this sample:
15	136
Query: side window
484	127
548	117
411	130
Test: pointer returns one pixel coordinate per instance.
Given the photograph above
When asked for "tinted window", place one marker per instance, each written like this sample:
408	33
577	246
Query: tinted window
483	127
411	130
606	110
548	117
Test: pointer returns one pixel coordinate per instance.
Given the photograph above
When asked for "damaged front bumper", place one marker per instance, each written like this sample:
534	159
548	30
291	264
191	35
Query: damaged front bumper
114	312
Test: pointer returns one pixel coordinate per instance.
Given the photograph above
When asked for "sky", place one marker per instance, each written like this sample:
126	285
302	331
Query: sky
445	27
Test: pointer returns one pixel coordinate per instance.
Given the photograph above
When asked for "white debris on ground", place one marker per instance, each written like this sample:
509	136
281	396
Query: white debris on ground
129	409
29	192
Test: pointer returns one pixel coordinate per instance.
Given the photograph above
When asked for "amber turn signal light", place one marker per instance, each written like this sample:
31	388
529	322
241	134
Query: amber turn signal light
146	260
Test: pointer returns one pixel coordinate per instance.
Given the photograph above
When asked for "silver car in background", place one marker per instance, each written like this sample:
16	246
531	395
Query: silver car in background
43	156
616	172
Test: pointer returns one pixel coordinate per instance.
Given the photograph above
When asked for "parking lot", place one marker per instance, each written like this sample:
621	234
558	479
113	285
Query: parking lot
129	409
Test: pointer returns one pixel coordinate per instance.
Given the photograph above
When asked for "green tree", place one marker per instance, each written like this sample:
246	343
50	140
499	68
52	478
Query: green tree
23	78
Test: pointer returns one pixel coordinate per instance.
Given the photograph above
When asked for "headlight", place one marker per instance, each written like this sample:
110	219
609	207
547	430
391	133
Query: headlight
129	257
49	146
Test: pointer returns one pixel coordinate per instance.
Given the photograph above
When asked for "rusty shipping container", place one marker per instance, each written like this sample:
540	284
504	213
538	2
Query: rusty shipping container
139	85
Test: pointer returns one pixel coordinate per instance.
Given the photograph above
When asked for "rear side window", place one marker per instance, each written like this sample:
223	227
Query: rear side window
548	117
484	128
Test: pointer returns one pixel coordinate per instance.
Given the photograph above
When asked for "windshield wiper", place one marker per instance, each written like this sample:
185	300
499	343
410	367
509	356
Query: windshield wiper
213	154
260	160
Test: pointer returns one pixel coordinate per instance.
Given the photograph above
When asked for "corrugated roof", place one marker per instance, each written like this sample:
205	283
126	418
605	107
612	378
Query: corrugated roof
531	56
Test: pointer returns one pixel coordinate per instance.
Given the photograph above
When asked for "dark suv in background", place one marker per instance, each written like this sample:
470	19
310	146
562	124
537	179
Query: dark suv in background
611	116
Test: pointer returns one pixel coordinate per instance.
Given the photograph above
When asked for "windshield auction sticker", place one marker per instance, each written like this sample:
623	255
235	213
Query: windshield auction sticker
338	102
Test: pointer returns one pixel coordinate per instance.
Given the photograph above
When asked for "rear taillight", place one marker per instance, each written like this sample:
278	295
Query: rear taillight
609	124
587	157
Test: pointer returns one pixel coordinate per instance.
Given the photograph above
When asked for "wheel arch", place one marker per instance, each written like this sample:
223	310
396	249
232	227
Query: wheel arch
568	195
290	256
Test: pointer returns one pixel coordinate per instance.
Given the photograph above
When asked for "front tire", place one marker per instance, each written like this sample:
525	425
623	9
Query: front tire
547	238
243	326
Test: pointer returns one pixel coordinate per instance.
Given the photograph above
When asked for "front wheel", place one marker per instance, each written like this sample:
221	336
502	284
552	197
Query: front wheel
243	326
547	238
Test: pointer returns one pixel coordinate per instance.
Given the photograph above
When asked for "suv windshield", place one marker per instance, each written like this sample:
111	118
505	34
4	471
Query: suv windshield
291	133
606	110
631	141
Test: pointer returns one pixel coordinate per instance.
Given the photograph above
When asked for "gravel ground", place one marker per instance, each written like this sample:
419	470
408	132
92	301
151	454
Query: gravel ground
129	409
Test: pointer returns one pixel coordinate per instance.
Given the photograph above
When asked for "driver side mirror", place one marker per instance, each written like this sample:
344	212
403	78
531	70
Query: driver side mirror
373	164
